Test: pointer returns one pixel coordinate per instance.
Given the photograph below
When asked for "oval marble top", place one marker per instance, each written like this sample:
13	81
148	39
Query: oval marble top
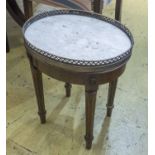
77	37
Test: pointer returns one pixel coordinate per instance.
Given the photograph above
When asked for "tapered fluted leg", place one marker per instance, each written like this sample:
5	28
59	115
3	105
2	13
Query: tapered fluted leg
90	99
37	80
68	87
111	95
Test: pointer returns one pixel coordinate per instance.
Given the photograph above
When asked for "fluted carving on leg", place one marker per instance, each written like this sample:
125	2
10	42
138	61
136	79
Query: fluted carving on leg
90	101
37	80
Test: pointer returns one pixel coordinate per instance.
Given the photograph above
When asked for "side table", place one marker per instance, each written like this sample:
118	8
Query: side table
77	47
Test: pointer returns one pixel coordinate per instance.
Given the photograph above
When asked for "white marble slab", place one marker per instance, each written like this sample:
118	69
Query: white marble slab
77	37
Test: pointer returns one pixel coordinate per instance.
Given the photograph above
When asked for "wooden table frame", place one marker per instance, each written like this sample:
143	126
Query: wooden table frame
91	82
88	73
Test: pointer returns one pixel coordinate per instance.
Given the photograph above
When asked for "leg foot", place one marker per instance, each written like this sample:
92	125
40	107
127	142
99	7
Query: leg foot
68	87
89	140
42	117
111	95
